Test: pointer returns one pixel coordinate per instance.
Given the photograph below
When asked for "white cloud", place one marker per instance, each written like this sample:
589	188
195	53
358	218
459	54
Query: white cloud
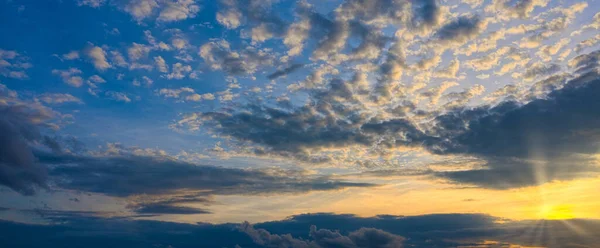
179	71
137	51
194	97
118	59
70	76
179	43
58	98
147	81
178	10
295	36
71	55
208	96
162	10
96	79
161	64
185	93
13	65
91	3
98	57
135	66
230	18
174	93
261	33
117	96
140	9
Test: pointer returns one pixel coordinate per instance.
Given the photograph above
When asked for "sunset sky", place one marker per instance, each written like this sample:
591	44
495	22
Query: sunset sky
299	123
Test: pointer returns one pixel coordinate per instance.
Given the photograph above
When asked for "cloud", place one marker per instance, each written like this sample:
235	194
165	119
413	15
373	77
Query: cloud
235	13
98	57
166	209
118	59
450	71
179	71
296	35
71	55
186	93
546	130
178	10
219	56
129	175
58	98
152	182
145	80
137	51
20	125
324	238
70	76
117	96
231	19
285	71
161	64
96	79
541	70
441	230
174	93
426	13
14	65
140	9
91	3
518	8
546	139
460	30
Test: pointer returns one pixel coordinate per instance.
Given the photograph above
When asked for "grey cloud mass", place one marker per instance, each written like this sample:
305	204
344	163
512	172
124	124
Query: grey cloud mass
132	175
460	30
554	135
19	126
167	209
324	238
284	71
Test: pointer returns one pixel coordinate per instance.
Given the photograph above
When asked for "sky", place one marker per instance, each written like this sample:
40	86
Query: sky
299	123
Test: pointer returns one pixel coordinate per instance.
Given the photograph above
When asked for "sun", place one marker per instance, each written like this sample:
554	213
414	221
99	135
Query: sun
556	212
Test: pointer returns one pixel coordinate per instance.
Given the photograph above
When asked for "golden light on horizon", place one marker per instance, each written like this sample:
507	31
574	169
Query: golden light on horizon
556	212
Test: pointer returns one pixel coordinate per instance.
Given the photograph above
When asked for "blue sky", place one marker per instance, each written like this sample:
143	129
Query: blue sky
181	112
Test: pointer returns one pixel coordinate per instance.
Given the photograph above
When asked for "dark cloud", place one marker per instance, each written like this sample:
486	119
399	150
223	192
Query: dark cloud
543	140
133	175
386	11
441	230
520	8
585	62
287	133
460	30
426	13
551	137
19	126
541	70
235	13
449	230
167	209
324	238
285	71
219	56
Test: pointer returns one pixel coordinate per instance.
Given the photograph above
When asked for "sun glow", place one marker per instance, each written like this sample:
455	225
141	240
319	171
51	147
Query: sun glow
556	212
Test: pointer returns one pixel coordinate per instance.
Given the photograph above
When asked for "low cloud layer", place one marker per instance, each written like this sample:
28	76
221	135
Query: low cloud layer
324	238
443	230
